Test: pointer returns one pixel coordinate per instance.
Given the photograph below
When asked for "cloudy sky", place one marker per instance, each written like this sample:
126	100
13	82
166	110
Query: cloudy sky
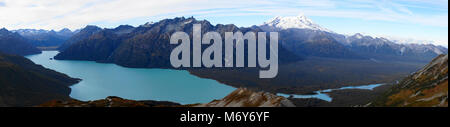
400	19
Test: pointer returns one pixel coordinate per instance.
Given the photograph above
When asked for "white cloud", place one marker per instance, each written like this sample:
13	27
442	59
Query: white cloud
443	43
55	14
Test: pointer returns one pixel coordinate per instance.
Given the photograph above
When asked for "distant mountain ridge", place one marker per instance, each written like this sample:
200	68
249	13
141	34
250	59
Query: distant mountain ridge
315	43
30	32
385	49
13	43
298	34
301	28
45	38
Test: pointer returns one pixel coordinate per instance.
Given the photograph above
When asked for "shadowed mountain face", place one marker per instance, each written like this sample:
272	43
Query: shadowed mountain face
315	43
82	34
427	87
147	45
23	83
97	47
13	43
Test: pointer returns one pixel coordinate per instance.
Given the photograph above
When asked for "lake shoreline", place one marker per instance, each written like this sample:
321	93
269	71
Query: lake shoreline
100	80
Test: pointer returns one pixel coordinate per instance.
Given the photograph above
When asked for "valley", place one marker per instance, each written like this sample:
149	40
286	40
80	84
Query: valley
312	74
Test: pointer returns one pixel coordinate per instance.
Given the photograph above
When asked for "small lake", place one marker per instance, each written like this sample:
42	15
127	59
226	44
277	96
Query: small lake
322	94
100	80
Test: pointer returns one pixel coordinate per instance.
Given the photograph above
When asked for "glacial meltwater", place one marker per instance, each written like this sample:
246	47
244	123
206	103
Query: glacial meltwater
100	80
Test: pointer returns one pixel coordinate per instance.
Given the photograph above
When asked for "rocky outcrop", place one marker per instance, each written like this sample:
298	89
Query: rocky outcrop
107	102
246	98
427	87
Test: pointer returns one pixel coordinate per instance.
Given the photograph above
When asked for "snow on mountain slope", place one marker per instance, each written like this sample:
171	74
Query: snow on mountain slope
300	22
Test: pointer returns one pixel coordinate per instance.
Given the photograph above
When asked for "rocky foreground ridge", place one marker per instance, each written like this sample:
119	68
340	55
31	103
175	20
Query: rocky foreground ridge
243	97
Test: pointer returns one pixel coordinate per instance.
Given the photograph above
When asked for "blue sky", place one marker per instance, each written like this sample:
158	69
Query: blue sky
402	19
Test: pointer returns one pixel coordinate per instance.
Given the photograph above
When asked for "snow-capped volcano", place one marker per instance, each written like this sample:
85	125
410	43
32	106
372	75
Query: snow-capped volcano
300	22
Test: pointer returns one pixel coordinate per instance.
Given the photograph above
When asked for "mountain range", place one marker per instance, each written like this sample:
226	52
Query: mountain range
298	35
377	48
311	57
45	38
143	46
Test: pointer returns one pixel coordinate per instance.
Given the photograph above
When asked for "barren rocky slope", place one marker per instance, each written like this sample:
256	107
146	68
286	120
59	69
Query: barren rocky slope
427	87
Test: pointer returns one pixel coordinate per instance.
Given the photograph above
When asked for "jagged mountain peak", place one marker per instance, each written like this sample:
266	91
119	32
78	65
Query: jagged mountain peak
300	21
6	32
91	27
358	35
3	29
40	32
65	30
124	27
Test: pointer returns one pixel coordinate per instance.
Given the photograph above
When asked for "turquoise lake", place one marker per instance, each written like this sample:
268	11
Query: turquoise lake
100	80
